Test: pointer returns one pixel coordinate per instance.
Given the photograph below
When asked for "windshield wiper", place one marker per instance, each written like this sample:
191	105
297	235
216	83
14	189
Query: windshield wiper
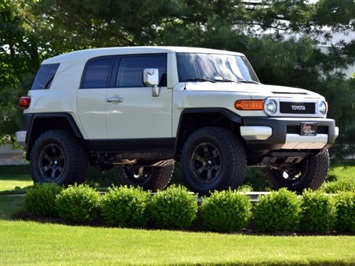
225	80
248	81
200	80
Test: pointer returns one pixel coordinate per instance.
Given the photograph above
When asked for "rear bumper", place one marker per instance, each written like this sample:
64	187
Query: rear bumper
279	133
21	138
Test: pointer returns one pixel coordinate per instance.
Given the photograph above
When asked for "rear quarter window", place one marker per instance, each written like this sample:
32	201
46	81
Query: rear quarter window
97	73
44	77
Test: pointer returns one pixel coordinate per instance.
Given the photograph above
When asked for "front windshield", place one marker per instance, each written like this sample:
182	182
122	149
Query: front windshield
215	68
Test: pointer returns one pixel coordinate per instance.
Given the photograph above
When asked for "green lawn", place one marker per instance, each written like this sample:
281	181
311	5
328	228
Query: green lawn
53	244
14	178
33	243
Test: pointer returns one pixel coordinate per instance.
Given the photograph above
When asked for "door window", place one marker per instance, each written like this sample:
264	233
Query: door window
130	72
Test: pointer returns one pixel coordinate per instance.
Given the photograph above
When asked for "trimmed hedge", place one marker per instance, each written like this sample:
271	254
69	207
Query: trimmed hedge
125	206
173	208
40	199
345	205
78	204
278	211
177	208
318	212
225	211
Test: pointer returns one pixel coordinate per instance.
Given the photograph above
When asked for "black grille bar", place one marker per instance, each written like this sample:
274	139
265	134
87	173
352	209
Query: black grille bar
297	108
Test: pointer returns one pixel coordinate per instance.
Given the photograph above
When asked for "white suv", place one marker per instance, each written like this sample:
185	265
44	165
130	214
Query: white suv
140	109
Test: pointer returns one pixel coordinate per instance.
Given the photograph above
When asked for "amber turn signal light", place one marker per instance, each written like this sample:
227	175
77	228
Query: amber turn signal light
24	102
251	105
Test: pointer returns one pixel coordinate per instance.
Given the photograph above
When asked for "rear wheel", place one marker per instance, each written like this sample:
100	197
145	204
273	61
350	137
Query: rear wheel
150	178
58	157
310	173
213	158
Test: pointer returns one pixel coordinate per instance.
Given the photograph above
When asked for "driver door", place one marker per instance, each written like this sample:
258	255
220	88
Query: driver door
131	110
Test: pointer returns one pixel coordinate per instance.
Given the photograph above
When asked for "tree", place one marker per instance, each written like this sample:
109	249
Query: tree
16	61
280	38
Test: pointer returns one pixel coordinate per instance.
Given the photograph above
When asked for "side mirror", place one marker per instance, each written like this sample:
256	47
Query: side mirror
151	78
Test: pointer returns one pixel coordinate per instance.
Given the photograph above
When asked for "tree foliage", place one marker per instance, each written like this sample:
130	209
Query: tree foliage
18	60
281	39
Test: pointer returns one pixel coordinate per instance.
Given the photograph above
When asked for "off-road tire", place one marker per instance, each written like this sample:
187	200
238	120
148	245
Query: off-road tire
151	178
310	173
57	156
213	158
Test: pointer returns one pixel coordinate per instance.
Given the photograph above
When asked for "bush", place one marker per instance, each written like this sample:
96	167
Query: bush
345	204
226	211
337	186
340	179
125	206
78	204
175	207
40	199
278	211
318	212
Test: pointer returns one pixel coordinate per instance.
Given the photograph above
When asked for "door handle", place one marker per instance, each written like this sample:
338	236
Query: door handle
115	99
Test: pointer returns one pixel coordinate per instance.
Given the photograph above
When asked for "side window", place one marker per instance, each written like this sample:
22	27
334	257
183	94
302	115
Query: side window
130	72
97	73
44	77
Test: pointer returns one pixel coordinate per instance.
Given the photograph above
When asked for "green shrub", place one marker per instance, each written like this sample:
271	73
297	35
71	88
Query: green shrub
125	206
278	211
78	204
345	204
340	179
341	185
318	212
40	199
226	211
175	207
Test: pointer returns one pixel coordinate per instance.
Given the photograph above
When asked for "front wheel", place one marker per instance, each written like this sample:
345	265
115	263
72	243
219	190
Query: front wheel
149	178
213	158
310	173
58	157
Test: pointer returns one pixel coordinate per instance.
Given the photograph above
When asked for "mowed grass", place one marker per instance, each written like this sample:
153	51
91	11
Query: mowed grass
52	244
340	178
34	243
14	178
9	206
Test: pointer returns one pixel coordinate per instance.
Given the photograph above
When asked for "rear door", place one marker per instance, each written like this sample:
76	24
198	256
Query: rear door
92	97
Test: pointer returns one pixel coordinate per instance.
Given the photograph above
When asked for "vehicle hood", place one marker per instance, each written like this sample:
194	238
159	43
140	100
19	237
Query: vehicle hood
252	89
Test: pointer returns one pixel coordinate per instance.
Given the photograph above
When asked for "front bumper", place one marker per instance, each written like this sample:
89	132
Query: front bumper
284	133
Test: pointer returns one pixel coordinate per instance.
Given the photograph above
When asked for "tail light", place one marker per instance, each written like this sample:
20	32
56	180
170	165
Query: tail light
24	102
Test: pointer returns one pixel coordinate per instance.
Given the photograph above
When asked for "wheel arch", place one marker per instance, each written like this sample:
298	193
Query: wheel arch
43	122
193	119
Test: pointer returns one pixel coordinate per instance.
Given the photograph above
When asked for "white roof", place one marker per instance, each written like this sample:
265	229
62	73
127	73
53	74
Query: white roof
84	55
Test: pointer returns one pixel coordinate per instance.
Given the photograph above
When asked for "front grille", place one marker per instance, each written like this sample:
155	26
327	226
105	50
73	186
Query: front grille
297	108
322	130
297	129
293	129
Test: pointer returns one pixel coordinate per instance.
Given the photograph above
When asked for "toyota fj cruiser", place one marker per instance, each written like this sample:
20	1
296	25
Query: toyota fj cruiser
140	109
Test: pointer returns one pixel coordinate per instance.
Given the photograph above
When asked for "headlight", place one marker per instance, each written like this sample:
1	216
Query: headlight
323	107
270	106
